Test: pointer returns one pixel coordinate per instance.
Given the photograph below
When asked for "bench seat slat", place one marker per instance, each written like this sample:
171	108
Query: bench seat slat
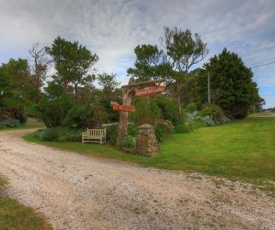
94	135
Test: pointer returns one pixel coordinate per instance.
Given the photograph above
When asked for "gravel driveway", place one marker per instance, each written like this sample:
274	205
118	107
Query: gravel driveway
80	192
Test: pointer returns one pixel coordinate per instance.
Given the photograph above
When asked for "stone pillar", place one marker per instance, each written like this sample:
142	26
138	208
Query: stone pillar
146	142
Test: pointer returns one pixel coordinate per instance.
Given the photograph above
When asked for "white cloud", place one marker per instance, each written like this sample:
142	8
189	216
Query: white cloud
112	29
269	99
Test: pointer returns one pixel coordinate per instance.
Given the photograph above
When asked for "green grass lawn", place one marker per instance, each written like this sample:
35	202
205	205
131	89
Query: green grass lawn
262	114
24	126
241	150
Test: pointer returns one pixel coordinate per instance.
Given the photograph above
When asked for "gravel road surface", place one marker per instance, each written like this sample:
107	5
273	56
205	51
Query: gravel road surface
81	192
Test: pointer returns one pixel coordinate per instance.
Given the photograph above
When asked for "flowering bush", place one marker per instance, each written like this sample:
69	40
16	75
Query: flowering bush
207	120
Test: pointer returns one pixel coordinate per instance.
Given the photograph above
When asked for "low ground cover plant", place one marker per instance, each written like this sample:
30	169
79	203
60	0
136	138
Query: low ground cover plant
9	123
59	134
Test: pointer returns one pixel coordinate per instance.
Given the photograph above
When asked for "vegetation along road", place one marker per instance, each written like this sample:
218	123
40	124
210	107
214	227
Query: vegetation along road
81	192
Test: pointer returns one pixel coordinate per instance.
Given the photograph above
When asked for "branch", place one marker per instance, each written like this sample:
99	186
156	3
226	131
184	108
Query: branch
142	83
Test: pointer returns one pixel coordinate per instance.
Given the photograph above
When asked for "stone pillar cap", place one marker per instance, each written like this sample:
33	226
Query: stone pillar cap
146	126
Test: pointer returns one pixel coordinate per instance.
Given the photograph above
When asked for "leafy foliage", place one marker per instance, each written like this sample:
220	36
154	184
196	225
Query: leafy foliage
208	120
189	116
128	142
191	107
132	129
162	129
109	84
79	116
149	64
54	111
195	124
147	111
182	127
111	134
214	112
59	134
73	63
181	51
232	87
168	107
10	123
15	89
112	131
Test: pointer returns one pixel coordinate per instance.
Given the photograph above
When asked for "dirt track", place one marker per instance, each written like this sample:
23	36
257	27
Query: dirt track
80	192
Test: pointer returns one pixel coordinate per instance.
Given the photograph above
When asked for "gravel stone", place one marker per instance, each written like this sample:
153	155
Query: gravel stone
81	192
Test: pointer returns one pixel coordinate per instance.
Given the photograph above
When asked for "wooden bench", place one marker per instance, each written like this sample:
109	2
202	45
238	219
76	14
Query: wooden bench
94	135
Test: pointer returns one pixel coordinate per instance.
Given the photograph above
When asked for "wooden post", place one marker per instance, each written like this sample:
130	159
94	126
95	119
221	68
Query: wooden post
208	87
123	115
128	93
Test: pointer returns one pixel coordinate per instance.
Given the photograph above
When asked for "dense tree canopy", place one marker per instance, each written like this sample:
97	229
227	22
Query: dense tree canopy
232	87
180	52
150	63
68	97
15	88
109	84
73	63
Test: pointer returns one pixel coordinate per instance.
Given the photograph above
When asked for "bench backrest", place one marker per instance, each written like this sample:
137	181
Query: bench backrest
96	132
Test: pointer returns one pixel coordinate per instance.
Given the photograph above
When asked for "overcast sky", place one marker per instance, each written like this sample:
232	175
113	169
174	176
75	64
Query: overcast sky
113	28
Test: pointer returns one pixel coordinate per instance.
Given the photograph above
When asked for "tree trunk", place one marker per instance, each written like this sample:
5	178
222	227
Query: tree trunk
65	86
128	93
123	116
178	90
76	92
38	89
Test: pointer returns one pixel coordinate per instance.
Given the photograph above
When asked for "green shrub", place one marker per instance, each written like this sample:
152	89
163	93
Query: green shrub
205	105
79	116
163	129
39	134
160	132
147	111
190	116
111	133
128	142
182	127
213	111
70	135
9	123
168	107
59	134
132	129
191	107
195	124
226	119
207	120
50	134
54	111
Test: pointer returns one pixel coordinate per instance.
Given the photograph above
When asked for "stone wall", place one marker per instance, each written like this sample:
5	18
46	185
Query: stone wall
146	142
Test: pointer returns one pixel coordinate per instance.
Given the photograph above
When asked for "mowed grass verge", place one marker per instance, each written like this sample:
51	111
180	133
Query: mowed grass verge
16	216
241	150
